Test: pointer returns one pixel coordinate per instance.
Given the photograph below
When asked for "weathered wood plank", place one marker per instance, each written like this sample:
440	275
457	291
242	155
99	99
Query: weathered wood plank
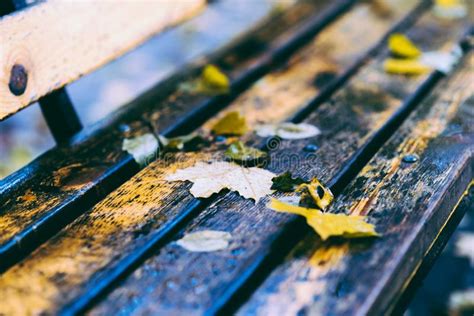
174	280
38	57
98	243
61	184
409	203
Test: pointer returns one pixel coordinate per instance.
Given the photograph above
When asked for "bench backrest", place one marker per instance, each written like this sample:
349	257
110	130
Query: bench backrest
52	43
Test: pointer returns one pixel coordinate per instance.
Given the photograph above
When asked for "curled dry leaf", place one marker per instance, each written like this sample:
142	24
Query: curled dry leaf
231	124
244	155
328	224
208	178
142	148
402	46
288	130
205	241
315	194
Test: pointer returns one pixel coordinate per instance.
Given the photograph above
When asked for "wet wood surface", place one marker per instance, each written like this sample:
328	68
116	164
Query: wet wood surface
64	182
409	203
137	212
174	280
84	37
120	255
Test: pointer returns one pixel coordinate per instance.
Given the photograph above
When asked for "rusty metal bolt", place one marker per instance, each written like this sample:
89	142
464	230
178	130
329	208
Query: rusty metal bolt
18	80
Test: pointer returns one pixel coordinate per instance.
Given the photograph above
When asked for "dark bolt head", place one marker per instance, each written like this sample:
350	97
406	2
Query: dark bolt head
18	80
311	148
410	158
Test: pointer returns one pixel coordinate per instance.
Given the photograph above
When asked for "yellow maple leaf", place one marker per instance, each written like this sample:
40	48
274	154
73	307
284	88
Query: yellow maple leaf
401	46
405	66
328	224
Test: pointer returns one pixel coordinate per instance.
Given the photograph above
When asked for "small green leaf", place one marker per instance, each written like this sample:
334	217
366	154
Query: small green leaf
245	155
286	183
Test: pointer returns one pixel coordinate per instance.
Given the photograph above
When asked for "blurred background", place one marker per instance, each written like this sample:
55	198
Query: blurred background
25	135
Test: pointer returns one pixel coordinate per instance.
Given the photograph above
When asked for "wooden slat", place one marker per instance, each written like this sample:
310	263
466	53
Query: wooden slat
55	42
146	208
60	185
409	203
174	280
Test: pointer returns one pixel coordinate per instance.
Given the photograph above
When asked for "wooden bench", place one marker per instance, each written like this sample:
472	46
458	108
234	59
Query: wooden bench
86	229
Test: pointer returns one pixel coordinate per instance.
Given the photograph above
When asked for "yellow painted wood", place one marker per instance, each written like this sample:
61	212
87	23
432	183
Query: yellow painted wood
58	41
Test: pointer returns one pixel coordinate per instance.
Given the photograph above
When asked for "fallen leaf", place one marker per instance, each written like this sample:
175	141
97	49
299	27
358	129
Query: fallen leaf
288	130
231	124
244	155
142	148
211	82
328	224
188	142
315	194
205	241
213	78
442	61
450	9
465	246
208	178
286	183
401	46
405	66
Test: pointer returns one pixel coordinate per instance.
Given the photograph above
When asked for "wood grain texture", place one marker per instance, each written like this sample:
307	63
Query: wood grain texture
61	184
409	204
176	281
77	38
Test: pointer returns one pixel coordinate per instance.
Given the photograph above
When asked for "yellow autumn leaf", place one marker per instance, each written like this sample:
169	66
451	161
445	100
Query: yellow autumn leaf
328	224
212	81
405	66
231	124
401	46
213	78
